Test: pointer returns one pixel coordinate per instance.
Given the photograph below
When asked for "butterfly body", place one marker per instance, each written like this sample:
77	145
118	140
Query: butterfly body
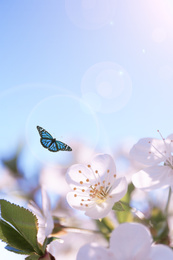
51	143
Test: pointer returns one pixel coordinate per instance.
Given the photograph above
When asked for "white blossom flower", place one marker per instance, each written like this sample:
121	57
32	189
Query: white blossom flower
128	241
96	187
157	155
69	249
45	220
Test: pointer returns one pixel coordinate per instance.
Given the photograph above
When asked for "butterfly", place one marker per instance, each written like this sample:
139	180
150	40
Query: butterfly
51	143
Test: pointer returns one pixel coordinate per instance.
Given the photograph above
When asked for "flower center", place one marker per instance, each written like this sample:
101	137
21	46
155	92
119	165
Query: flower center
95	190
100	194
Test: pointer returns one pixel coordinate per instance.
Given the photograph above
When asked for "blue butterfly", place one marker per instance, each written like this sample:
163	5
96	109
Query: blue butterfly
51	143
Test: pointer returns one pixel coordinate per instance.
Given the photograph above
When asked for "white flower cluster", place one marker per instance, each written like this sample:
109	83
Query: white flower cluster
96	187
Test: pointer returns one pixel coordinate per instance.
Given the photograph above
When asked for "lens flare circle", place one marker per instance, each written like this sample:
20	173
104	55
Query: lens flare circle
106	87
67	118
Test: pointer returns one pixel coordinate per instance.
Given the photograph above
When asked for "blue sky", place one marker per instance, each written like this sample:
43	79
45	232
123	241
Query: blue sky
45	52
97	71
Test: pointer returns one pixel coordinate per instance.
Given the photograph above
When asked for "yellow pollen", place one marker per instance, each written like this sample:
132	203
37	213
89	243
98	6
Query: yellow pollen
79	171
107	171
88	199
82	199
86	205
81	182
75	195
83	190
115	175
96	171
74	188
100	201
109	183
81	204
89	165
87	180
103	181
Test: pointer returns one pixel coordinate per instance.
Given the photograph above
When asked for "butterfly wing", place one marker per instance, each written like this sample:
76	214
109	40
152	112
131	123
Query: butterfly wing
45	138
53	147
46	142
43	133
62	146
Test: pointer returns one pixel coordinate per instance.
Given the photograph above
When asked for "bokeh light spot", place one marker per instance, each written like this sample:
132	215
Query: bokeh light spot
106	87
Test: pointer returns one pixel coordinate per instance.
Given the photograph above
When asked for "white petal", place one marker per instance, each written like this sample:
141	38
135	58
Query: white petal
78	175
93	209
49	223
94	252
105	165
45	202
149	151
75	200
101	169
130	241
41	221
98	211
160	252
119	189
35	209
153	178
45	219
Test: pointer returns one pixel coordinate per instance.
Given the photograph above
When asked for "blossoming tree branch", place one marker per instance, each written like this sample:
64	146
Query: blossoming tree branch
113	216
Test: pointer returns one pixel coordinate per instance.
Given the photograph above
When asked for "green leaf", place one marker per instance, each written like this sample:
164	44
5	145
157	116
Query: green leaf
10	236
124	216
24	222
118	206
50	239
160	228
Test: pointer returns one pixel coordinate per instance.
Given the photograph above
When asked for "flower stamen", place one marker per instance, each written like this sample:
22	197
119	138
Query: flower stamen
168	160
